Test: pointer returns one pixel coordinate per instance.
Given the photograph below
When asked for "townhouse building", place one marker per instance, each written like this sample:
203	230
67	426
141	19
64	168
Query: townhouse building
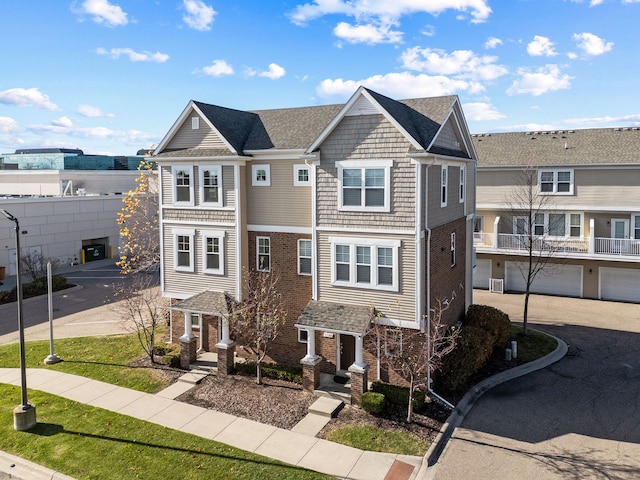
589	183
364	210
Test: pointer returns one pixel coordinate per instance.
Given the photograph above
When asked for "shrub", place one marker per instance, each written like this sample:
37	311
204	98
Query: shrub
493	321
32	289
8	297
373	402
397	395
272	370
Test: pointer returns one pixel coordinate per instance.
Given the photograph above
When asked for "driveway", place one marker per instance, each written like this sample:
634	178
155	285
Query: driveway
577	419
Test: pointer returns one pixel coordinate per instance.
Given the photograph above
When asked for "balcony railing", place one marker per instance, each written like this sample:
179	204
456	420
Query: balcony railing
573	245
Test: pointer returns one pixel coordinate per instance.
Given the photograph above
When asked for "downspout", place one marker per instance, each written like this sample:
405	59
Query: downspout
419	250
161	214
238	242
314	235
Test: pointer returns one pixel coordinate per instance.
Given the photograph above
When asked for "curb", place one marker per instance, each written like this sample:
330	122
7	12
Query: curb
469	399
20	469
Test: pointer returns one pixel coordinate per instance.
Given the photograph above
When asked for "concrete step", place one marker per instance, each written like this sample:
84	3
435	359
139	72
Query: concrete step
193	377
344	397
326	407
311	424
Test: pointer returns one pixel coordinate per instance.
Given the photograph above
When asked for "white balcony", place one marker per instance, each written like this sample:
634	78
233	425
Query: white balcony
617	246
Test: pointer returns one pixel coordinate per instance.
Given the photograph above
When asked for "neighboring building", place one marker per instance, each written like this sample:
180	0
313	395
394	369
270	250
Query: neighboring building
591	179
66	202
357	206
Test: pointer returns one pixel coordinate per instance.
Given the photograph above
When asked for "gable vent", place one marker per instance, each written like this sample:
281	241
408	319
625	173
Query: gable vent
362	107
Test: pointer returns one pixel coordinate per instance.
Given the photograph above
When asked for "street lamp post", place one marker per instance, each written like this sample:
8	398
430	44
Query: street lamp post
24	415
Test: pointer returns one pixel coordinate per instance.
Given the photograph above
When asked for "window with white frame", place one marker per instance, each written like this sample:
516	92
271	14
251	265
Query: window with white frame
213	251
303	335
636	227
183	241
552	225
304	257
453	249
261	175
301	176
478	228
211	185
183	185
263	254
462	184
366	263
444	180
555	182
575	225
195	123
364	186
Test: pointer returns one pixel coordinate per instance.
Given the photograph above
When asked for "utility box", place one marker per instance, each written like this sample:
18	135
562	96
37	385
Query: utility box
94	252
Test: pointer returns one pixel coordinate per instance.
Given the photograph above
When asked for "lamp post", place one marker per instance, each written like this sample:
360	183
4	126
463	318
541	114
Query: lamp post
24	415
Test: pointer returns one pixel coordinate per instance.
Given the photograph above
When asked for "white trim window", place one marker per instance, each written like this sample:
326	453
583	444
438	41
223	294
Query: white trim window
303	335
301	176
263	254
635	226
478	229
183	185
453	249
364	186
444	181
461	193
183	250
261	175
365	263
558	225
304	257
211	185
195	123
213	251
555	181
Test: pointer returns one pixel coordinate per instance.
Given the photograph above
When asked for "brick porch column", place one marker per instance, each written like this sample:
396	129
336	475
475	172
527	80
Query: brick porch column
226	357
359	382
188	350
310	372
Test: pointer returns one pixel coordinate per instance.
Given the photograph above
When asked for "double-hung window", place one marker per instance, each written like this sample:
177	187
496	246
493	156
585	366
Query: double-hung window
444	181
364	185
366	263
183	185
263	254
211	185
213	251
462	184
304	257
555	182
453	249
636	227
183	251
555	225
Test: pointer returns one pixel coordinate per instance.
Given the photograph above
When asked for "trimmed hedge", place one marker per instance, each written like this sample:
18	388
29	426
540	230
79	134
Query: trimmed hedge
33	289
397	395
272	370
493	321
373	402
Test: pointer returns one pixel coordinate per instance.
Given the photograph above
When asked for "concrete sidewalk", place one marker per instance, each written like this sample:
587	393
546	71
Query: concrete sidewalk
294	448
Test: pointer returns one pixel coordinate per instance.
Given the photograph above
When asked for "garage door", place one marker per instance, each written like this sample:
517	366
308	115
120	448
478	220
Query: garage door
481	273
564	280
620	284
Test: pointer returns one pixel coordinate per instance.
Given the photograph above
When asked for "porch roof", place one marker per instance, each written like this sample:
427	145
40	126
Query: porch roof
336	317
207	302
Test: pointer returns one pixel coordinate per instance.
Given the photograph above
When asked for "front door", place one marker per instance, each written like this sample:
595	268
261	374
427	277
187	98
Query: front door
347	351
619	234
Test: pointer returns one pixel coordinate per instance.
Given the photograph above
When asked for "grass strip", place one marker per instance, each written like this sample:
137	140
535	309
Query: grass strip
90	443
366	437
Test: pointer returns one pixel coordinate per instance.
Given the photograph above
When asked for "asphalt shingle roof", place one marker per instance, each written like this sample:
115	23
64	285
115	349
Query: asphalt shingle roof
594	146
207	302
334	316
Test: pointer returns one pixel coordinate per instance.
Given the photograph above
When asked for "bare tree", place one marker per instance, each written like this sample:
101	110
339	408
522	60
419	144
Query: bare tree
34	266
139	223
538	230
415	354
257	320
141	304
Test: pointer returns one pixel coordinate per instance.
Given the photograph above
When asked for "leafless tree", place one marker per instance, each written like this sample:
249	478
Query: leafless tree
415	354
256	321
34	267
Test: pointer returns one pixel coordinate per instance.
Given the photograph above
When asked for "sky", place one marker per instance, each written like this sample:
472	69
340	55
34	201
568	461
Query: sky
112	76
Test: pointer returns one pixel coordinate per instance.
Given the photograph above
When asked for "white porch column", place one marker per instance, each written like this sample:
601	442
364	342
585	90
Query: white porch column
592	236
188	327
496	226
359	362
224	334
311	345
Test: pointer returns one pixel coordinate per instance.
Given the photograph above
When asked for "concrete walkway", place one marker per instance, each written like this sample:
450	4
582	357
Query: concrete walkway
287	446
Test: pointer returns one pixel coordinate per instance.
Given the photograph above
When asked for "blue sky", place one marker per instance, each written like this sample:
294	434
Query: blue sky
111	76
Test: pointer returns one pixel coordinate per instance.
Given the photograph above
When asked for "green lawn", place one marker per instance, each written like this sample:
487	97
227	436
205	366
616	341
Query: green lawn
533	346
366	437
90	443
99	358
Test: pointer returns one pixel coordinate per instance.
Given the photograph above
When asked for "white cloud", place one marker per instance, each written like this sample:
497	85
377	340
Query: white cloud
398	85
386	10
91	111
8	125
104	13
492	42
275	71
542	80
481	111
633	120
134	56
591	44
428	31
63	122
541	46
461	63
199	15
218	68
27	97
370	34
